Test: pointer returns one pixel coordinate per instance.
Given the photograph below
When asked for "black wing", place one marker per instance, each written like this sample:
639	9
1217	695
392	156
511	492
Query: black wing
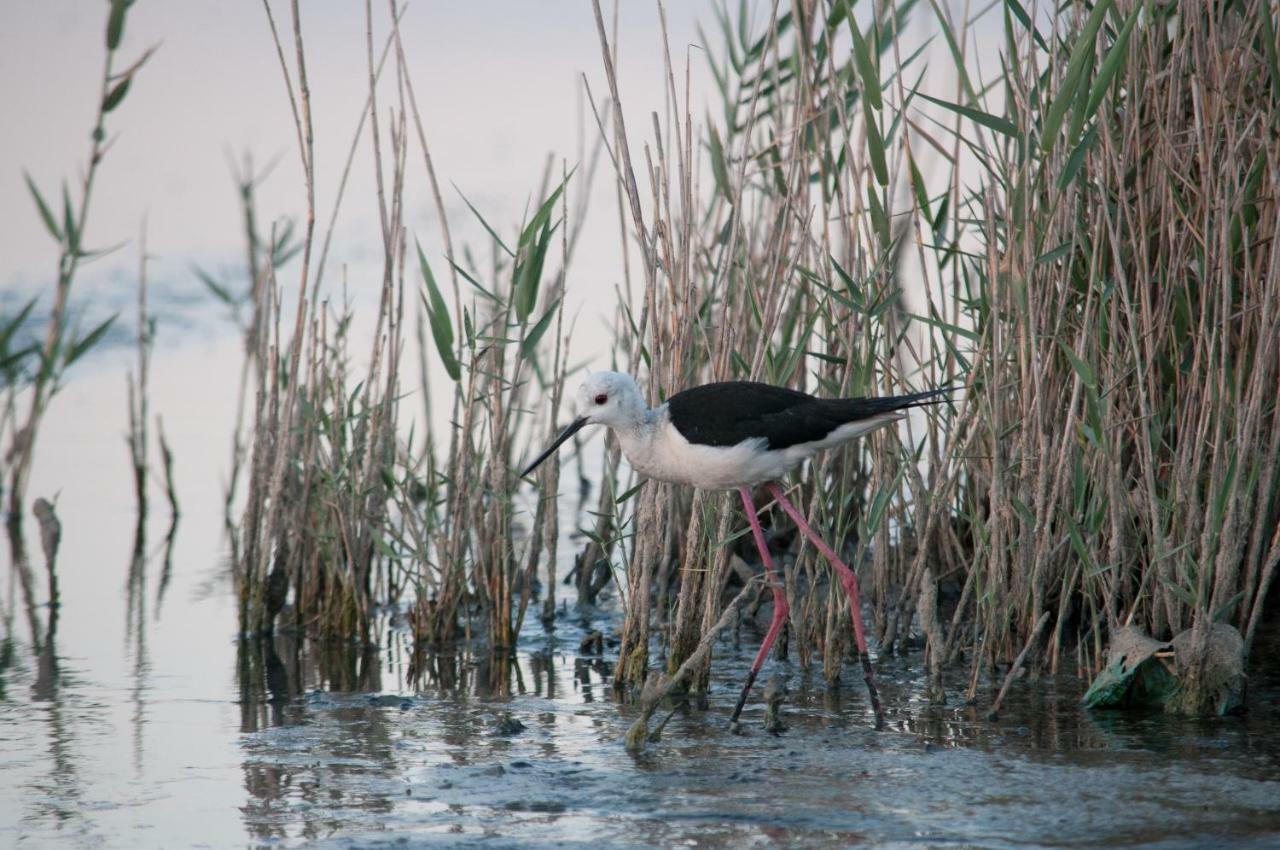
725	414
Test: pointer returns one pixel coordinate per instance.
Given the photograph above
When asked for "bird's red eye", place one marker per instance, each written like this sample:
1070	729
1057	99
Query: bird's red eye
602	398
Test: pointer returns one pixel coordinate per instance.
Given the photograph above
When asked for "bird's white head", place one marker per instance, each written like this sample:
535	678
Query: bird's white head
610	398
604	398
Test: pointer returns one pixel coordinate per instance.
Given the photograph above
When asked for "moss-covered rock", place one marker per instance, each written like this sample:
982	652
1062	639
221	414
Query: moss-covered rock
1136	675
1194	674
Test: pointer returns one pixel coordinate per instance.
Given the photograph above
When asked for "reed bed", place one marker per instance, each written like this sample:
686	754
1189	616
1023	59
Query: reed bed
1082	236
1125	350
321	437
1093	256
774	272
343	516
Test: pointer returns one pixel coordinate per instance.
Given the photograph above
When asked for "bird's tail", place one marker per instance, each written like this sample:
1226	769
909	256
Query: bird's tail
857	409
901	402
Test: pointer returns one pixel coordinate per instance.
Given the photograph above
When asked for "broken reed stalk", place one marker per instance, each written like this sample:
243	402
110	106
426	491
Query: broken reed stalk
138	386
659	686
50	539
1016	669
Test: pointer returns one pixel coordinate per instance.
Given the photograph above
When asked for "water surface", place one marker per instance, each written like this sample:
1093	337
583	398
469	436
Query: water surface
285	742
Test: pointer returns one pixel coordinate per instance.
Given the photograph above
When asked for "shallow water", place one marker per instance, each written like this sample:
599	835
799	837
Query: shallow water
285	743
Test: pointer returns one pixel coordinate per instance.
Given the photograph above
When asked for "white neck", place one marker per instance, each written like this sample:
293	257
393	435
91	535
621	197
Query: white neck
639	439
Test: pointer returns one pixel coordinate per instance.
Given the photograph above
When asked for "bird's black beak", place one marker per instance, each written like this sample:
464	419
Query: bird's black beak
574	427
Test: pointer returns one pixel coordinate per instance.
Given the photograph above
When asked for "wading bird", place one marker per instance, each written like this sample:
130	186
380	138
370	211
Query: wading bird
736	435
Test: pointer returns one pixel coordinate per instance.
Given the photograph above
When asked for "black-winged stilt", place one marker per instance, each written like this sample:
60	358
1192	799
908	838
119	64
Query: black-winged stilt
736	435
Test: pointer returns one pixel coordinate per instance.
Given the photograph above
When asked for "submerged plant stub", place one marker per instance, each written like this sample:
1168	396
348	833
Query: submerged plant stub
50	529
1216	684
507	725
775	694
1143	672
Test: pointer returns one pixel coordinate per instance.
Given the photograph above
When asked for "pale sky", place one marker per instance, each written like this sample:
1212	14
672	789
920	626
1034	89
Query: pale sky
498	83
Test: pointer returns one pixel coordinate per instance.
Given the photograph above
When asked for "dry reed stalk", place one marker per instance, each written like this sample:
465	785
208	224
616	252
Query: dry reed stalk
1016	669
138	396
659	686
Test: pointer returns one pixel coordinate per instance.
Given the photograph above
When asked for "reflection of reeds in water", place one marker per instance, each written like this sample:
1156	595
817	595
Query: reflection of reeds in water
273	671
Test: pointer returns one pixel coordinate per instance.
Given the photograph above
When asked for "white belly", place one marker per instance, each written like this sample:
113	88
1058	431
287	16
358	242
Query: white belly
673	458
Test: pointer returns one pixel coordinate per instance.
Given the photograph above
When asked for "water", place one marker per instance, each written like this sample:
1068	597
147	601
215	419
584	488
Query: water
440	767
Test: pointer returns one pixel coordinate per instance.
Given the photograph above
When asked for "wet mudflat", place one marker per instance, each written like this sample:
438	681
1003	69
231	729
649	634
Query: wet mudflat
545	766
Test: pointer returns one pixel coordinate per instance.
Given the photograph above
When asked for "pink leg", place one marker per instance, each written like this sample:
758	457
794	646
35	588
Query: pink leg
849	581
780	606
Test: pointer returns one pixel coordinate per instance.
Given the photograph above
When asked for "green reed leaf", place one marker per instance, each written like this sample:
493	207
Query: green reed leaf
1071	78
46	215
977	116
